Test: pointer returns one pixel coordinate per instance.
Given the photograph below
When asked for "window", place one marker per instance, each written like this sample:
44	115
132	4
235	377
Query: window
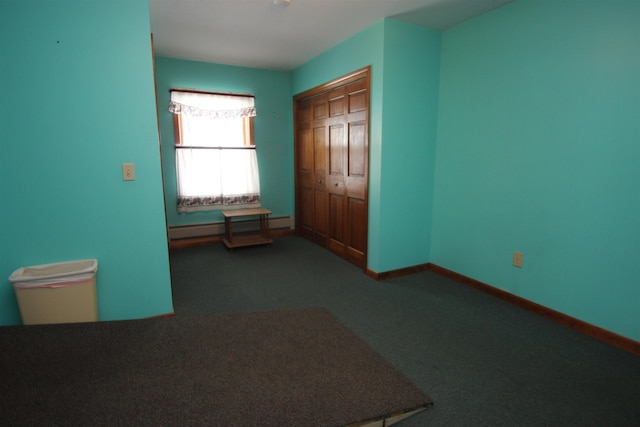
216	162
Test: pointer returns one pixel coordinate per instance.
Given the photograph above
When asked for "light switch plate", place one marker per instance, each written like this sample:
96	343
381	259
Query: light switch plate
128	172
517	259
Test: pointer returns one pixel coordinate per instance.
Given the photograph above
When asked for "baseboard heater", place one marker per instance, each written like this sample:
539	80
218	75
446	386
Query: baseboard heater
178	232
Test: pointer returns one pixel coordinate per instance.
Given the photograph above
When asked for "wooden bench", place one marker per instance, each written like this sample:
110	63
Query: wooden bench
260	237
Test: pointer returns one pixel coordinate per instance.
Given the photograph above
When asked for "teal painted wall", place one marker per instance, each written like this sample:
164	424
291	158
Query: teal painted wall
409	124
404	63
359	51
273	129
538	151
77	82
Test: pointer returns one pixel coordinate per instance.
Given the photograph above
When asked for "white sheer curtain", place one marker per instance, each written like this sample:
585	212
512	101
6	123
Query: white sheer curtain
216	168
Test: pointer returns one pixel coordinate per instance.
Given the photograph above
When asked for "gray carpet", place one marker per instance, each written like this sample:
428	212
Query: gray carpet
274	368
483	361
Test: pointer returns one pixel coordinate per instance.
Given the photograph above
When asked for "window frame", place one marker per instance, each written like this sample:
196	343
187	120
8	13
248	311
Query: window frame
238	191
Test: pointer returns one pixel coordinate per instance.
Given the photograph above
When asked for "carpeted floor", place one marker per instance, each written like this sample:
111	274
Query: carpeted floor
271	368
483	361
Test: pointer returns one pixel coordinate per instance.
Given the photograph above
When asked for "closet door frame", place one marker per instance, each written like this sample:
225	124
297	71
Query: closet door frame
307	188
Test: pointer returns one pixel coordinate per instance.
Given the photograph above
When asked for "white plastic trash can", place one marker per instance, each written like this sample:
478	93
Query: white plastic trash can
64	292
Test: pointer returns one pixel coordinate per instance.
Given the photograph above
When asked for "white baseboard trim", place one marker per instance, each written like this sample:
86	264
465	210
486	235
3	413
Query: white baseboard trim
177	232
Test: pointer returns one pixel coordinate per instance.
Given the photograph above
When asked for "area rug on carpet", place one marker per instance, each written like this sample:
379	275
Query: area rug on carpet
276	368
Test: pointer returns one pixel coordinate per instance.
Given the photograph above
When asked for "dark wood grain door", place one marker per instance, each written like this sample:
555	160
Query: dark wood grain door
332	160
336	148
357	170
305	187
320	170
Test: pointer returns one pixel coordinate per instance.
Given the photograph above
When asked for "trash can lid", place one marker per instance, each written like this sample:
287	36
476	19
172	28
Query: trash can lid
66	270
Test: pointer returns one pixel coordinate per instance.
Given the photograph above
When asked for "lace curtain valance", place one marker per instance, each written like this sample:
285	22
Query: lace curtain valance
210	105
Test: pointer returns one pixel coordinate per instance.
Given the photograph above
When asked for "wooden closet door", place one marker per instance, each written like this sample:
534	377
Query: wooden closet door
312	197
356	171
336	129
332	154
320	164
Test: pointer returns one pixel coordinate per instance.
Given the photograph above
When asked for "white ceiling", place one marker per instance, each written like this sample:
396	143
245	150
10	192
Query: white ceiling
258	34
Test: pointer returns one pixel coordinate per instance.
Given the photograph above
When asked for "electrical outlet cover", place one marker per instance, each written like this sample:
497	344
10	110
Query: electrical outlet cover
128	172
